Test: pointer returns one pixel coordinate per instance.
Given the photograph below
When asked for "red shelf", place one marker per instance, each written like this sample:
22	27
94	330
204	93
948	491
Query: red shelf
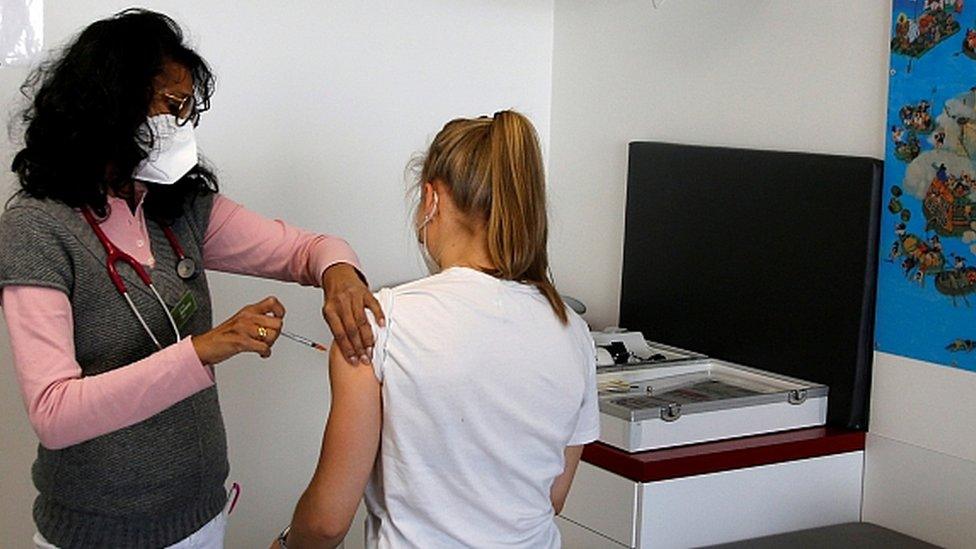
724	455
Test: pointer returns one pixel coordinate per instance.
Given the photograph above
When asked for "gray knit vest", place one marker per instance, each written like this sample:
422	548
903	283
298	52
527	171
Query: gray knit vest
158	481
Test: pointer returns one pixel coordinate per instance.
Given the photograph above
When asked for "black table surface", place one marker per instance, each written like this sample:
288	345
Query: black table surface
862	535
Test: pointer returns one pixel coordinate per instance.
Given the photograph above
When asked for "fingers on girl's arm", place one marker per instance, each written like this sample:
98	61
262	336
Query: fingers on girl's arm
339	337
373	305
350	314
364	328
350	326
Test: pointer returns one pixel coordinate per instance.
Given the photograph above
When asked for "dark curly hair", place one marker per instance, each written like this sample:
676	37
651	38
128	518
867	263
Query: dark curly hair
86	125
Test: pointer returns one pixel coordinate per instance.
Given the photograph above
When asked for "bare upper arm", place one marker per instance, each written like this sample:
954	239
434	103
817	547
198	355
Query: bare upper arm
349	450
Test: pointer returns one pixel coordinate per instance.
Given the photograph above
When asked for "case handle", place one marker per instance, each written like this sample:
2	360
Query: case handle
671	412
796	396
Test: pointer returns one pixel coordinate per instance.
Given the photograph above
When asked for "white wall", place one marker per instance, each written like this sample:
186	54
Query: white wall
320	104
920	464
805	76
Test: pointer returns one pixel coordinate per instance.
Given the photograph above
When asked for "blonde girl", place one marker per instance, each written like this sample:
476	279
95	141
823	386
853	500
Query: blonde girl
482	390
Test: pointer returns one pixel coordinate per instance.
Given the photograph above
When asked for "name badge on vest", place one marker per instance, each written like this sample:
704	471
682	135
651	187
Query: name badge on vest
184	309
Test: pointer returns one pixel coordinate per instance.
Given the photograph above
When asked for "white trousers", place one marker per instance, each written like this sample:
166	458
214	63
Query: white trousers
211	536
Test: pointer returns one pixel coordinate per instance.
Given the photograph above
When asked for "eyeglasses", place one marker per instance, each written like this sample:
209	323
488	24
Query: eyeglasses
183	108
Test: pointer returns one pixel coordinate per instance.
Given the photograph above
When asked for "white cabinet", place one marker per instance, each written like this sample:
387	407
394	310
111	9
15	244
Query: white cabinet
603	502
712	508
574	535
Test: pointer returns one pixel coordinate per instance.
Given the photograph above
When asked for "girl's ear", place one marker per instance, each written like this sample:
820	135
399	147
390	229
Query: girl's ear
427	197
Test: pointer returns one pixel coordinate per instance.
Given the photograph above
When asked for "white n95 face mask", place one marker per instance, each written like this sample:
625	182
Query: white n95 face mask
174	151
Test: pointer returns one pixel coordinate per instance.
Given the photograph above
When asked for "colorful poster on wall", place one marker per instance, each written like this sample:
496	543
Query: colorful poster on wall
927	267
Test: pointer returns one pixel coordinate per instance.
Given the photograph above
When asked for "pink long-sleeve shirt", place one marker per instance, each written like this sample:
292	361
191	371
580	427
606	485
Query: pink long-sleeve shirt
65	408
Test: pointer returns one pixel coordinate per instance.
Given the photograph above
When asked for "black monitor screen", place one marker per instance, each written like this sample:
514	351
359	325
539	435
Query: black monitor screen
766	259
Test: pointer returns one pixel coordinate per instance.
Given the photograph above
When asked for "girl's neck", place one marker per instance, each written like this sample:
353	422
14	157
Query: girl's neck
465	249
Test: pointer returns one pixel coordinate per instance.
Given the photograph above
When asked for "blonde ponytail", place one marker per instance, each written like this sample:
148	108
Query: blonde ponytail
494	170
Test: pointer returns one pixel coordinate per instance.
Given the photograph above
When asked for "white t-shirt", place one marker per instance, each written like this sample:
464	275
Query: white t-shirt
483	389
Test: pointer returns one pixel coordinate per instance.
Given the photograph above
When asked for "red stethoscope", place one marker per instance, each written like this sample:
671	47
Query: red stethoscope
186	269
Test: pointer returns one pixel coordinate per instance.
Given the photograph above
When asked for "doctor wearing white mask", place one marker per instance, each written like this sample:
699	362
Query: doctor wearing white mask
175	150
104	254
